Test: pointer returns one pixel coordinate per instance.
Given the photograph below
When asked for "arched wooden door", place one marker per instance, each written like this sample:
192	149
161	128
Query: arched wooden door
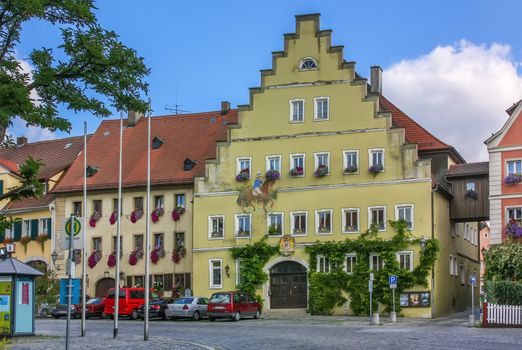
103	286
288	286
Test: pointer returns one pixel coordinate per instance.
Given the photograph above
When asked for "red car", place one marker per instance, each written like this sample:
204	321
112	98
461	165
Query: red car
233	305
93	308
130	299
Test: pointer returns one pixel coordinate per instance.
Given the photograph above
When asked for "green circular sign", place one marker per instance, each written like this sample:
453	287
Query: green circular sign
74	228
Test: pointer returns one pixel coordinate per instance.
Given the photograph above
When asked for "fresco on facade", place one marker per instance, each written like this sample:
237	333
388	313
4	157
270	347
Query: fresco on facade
260	194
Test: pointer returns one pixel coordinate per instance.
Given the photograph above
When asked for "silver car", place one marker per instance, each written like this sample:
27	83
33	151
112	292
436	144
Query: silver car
187	307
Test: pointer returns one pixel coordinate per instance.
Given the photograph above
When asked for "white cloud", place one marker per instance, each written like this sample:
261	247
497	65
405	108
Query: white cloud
33	133
458	92
27	68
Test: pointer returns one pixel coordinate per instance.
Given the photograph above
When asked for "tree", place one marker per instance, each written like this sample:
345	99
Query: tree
91	70
47	286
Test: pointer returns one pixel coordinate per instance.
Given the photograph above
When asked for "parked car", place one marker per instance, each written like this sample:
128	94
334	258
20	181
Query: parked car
188	307
93	308
157	308
234	305
130	299
60	310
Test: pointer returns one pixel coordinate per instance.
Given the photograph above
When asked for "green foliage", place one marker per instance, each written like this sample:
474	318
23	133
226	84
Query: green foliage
326	289
504	292
94	66
47	286
5	343
253	257
503	262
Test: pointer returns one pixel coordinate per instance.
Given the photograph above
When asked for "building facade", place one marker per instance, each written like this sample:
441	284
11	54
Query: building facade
346	158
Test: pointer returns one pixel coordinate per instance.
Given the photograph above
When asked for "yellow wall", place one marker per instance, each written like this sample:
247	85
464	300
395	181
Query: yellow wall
9	181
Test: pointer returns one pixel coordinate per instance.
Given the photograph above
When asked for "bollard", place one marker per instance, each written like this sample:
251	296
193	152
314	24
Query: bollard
375	320
393	317
471	321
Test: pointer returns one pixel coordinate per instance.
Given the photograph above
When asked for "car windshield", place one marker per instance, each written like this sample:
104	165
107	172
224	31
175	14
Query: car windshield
93	301
184	301
220	298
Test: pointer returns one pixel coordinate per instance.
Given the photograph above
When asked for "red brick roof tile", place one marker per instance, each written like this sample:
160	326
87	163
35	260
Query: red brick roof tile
28	203
479	168
185	136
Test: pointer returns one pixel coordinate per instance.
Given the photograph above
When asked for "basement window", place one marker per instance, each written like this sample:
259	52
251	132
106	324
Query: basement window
157	142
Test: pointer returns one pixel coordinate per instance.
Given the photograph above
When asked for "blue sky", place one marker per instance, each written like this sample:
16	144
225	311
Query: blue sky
203	52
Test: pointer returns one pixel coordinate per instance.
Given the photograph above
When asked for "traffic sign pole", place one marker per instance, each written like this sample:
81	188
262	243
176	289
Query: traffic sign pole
370	289
71	234
392	279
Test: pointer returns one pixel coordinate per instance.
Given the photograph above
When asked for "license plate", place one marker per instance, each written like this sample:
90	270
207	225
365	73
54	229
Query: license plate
219	308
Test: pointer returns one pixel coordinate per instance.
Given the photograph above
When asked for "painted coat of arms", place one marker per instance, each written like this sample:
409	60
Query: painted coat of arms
286	245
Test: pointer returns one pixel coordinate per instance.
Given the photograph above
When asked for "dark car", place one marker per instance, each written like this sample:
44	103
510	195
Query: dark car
157	308
233	305
60	310
93	308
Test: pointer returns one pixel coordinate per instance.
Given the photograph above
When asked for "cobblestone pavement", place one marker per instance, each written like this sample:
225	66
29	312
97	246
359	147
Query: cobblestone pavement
297	333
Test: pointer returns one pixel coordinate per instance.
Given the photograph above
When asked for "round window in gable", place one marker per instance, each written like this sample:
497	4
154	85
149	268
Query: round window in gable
308	63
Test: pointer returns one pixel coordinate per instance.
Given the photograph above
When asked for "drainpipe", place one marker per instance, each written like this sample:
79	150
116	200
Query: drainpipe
53	225
432	237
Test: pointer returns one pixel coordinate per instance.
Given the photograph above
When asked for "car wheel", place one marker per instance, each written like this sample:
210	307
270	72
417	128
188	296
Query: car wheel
134	314
196	316
56	317
256	315
211	319
236	317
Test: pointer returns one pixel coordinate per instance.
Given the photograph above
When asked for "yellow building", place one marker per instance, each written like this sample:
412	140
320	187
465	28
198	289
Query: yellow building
179	146
347	158
33	231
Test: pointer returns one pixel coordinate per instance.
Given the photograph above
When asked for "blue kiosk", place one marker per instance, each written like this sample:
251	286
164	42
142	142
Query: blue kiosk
17	296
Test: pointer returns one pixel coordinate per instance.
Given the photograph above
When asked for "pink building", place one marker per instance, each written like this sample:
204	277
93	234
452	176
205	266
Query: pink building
505	178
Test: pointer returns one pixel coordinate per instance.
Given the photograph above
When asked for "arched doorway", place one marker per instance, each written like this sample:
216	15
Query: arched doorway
288	286
103	286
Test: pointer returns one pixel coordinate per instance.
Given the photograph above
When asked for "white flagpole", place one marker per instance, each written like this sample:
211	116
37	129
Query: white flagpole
84	257
118	235
147	234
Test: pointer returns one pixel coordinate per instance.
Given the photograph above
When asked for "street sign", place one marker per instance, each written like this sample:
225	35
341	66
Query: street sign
370	286
392	279
473	279
371	276
72	229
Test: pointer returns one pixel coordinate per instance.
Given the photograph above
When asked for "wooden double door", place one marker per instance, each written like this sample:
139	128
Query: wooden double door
288	286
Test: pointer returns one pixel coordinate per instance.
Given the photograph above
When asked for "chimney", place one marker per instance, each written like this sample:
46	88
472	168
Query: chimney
20	141
376	80
133	117
225	107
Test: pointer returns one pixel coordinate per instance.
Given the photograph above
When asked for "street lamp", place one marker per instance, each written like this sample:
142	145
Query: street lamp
422	243
54	256
122	275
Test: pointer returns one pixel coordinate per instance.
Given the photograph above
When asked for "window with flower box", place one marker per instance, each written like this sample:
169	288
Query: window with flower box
323	221
138	203
349	263
138	242
77	209
243	225
44	227
114	244
350	218
215	273
297	165
243	166
322	108
273	163
297	110
376	263
376	157
179	240
322	164
159	202
351	161
514	213
377	216
323	264
299	222
405	212
180	200
159	240
97	207
97	244
216	226
405	260
115	205
514	167
275	224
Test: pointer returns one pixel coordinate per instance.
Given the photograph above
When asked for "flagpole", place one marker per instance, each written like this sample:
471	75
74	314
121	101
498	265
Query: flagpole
147	234
118	235
84	258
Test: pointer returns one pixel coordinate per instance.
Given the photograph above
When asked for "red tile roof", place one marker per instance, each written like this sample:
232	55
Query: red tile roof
191	136
479	168
56	155
28	203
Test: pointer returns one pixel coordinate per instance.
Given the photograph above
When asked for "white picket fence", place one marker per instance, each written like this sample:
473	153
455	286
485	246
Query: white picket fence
502	314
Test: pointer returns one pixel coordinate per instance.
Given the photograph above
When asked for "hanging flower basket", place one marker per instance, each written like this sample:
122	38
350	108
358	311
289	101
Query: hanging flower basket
176	213
113	218
94	218
156	254
513	229
94	258
322	170
471	194
513	179
136	215
111	261
272	175
176	258
350	169
25	241
375	169
7	240
297	171
243	175
134	256
41	238
155	215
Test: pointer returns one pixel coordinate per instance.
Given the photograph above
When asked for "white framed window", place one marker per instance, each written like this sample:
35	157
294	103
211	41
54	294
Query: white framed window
351	161
297	165
299	223
215	273
243	224
43	226
297	110
376	263
349	262
275	224
376	158
455	266
451	266
405	212
216	227
26	228
273	163
514	213
9	233
323	264
180	200
322	160
239	266
323	221
466	232
244	164
308	63
514	167
405	260
350	220
377	216
321	108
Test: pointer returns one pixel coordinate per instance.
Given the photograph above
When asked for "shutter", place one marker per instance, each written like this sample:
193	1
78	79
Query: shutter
17	230
187	281
49	228
1	187
167	282
34	228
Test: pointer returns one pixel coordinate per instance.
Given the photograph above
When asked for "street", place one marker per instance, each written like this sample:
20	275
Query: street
310	332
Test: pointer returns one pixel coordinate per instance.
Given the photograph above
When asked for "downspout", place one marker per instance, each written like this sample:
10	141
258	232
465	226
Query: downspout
433	237
53	225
